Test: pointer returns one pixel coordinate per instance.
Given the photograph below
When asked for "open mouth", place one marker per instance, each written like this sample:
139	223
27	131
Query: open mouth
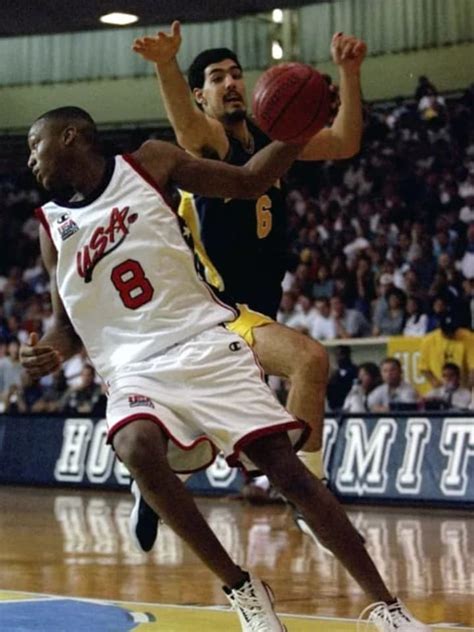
233	98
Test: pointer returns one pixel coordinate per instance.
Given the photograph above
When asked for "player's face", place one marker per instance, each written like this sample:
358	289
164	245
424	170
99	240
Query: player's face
223	93
45	154
450	378
391	374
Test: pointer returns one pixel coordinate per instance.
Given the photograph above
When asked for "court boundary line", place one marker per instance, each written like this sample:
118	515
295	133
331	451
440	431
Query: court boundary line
216	608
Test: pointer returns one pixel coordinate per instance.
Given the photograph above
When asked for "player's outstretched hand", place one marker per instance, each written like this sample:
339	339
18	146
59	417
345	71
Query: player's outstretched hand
162	47
348	51
38	360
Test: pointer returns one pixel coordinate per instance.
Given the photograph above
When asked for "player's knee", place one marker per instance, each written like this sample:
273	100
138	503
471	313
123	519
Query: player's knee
313	362
138	444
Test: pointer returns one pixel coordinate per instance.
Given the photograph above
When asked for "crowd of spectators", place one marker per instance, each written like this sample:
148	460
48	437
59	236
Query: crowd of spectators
391	232
380	245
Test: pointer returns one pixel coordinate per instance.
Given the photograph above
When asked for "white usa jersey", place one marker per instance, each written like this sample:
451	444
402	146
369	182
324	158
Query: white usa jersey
125	273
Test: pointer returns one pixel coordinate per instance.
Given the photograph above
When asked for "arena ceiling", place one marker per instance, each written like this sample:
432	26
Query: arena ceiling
34	17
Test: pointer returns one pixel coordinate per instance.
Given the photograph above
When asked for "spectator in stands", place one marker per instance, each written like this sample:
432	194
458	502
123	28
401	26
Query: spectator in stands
424	264
466	264
16	331
358	398
450	394
432	108
448	343
466	188
466	214
417	321
365	285
287	307
440	306
323	287
10	371
87	398
469	303
391	322
73	368
384	286
31	391
52	395
342	378
323	325
424	87
349	323
394	393
304	314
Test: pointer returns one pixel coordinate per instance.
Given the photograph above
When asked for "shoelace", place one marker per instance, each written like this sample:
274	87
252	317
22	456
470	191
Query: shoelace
380	612
247	601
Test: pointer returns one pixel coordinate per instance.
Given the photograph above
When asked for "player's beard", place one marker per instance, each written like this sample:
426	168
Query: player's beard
236	116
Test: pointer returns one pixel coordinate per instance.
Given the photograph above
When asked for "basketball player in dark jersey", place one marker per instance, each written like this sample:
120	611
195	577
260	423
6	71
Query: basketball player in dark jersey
246	239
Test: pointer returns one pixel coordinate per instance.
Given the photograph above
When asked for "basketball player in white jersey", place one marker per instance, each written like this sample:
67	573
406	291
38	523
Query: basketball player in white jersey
180	385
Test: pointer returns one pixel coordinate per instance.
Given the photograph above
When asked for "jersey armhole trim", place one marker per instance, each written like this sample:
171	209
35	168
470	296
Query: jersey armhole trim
39	212
136	166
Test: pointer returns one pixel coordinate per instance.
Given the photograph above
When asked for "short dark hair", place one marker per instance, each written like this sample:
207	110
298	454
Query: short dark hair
70	113
371	369
448	323
452	367
392	360
205	59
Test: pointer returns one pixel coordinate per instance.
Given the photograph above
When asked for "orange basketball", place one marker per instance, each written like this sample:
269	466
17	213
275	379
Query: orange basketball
291	102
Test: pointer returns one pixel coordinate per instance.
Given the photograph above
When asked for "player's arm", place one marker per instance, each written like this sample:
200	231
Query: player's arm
194	130
40	357
342	139
169	165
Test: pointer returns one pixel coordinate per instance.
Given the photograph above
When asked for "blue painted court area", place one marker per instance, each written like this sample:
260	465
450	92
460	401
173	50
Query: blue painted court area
58	615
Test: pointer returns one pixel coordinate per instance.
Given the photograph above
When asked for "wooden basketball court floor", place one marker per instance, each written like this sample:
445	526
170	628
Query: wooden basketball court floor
67	565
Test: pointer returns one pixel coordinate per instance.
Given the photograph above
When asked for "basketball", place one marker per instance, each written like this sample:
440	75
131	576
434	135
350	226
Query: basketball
291	102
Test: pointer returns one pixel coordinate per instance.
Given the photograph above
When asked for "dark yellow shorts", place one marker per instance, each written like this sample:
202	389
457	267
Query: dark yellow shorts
247	321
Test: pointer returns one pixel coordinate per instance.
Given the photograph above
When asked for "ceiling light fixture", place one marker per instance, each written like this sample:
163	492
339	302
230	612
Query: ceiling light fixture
277	50
277	16
119	19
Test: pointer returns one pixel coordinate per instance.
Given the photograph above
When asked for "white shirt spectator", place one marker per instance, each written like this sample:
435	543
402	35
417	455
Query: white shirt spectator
416	325
354	247
466	214
302	321
288	281
385	396
322	328
466	188
459	398
356	401
466	265
72	369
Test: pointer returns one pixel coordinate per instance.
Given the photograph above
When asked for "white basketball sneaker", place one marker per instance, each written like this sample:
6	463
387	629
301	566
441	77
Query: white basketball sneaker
391	618
253	603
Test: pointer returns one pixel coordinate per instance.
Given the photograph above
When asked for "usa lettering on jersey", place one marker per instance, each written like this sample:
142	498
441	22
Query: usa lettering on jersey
104	240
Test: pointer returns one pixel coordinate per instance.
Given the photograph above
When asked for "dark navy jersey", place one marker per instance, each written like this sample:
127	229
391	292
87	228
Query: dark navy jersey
246	239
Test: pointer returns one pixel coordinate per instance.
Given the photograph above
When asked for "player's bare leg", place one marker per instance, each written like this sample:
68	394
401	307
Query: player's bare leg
142	446
274	456
287	353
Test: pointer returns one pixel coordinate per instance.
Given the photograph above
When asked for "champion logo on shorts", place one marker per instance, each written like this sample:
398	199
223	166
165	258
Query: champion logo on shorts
140	400
235	346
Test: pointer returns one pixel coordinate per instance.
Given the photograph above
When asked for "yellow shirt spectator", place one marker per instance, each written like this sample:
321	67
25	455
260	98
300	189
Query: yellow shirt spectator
439	347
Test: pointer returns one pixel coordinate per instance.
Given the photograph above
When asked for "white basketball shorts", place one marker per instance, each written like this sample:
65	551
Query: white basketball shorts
208	394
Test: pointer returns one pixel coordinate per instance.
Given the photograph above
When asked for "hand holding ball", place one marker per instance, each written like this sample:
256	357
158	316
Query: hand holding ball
291	102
